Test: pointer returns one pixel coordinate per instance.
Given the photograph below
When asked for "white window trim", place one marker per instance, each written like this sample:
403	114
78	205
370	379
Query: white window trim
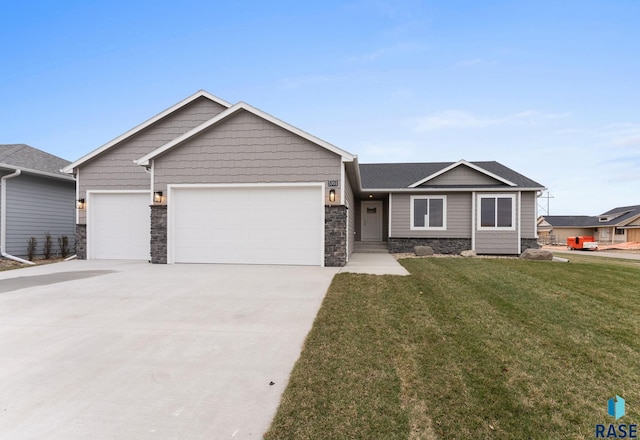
429	228
514	208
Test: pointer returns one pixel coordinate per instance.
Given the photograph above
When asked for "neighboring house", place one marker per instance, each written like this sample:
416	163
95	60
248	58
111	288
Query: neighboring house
35	198
210	182
618	225
554	229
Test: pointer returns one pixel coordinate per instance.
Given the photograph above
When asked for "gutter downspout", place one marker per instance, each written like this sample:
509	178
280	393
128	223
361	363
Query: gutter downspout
3	218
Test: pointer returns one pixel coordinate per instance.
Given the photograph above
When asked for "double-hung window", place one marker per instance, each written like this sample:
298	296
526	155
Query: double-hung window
428	213
496	211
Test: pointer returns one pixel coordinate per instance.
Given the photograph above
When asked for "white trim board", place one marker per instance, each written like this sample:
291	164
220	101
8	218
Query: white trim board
144	160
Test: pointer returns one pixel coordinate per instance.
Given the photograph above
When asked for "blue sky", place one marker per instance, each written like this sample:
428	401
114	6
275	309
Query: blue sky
548	88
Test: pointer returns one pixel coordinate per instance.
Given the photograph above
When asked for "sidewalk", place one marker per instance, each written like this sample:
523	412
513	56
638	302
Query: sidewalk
374	264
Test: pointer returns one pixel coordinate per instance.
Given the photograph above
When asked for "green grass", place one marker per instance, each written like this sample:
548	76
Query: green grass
469	348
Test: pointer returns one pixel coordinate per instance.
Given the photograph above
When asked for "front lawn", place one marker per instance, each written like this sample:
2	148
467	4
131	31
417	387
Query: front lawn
469	348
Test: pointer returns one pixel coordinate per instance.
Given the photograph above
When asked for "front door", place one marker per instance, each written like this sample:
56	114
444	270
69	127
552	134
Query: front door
371	220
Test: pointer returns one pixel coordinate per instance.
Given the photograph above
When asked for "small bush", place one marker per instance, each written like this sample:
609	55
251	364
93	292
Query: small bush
48	245
63	244
32	245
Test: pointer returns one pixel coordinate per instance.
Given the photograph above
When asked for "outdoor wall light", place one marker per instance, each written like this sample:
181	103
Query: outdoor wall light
332	195
157	197
80	203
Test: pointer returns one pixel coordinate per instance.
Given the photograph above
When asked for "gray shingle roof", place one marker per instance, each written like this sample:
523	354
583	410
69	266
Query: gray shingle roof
401	175
627	213
28	158
568	221
584	221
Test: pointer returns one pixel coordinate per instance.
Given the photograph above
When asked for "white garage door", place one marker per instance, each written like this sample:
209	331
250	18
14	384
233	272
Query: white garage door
118	226
247	225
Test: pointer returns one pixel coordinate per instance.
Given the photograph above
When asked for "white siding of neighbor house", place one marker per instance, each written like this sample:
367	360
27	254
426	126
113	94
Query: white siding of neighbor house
245	148
35	206
462	175
115	170
458	217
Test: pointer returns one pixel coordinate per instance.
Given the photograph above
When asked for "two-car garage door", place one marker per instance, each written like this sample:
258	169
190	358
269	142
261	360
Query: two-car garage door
246	225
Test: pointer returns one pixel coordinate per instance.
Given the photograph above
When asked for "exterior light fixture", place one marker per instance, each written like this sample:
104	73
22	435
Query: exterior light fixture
157	197
332	195
371	196
80	204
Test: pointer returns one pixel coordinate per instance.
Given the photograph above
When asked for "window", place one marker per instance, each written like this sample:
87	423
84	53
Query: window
496	212
619	231
428	212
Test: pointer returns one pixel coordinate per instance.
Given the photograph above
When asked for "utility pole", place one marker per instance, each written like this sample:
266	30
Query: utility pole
547	196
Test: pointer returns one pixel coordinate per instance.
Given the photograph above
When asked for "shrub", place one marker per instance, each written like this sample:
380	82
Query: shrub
63	244
48	245
32	245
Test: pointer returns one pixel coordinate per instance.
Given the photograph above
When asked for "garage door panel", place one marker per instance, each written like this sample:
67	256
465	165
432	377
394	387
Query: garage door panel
119	226
247	225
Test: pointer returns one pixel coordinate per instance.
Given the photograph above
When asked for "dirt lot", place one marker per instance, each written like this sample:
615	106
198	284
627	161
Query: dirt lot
619	248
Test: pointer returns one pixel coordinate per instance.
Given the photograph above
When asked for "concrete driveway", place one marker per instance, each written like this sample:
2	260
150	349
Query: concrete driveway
130	350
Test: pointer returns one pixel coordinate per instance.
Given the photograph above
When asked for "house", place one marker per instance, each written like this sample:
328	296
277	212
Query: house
618	225
35	198
483	206
555	229
206	181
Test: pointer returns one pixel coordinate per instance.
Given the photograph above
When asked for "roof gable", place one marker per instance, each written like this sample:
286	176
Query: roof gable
242	106
437	177
31	160
388	176
137	129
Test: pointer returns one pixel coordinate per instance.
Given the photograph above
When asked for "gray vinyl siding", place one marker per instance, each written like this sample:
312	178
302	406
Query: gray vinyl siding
37	205
529	217
247	149
115	170
458	217
462	175
351	226
498	242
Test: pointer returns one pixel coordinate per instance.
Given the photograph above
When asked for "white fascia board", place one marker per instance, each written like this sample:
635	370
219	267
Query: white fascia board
458	163
628	221
37	172
356	165
201	93
144	161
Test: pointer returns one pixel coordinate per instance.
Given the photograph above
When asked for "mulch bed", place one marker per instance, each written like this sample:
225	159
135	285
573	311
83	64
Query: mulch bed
7	264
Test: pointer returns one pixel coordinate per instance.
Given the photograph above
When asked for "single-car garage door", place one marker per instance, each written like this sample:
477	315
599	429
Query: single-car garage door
247	225
118	226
